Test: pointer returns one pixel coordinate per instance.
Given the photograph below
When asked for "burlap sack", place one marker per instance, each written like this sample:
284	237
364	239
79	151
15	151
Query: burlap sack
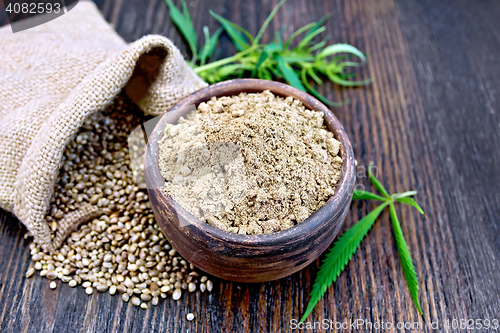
51	78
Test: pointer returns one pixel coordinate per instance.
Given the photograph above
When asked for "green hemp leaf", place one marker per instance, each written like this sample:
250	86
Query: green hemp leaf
277	60
347	244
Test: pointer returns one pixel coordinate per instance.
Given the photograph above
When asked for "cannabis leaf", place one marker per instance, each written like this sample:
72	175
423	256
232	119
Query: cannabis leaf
183	21
347	244
278	60
237	34
339	256
405	257
210	43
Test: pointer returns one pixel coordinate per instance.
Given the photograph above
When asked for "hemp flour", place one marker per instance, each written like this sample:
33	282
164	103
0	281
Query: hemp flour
254	163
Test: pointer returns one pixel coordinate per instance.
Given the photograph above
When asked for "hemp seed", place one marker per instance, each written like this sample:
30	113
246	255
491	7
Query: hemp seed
123	249
30	272
136	301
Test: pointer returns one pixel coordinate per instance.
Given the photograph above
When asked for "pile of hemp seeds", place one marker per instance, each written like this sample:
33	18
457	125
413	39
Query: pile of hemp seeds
122	250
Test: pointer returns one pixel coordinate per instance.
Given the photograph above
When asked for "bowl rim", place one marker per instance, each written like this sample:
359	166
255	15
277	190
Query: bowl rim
344	186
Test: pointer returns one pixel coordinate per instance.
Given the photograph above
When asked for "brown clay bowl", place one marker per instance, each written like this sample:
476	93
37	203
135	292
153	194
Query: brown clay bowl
249	258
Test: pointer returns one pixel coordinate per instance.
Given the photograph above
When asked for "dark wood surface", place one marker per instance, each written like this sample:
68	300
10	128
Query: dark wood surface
430	122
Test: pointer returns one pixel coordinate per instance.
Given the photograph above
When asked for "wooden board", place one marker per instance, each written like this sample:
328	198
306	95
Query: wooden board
430	122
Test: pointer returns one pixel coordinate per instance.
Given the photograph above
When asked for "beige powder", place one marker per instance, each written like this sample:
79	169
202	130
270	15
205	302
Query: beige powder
250	164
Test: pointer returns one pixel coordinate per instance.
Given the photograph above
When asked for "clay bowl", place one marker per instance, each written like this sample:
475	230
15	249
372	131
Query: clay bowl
249	258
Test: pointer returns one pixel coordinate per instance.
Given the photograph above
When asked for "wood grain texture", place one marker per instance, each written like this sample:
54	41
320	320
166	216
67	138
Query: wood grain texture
430	122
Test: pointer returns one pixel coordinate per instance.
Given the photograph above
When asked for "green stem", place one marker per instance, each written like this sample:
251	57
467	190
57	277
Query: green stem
404	194
225	60
298	32
267	21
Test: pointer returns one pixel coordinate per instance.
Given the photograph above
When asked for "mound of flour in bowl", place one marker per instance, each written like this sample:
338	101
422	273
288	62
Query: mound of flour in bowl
253	163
